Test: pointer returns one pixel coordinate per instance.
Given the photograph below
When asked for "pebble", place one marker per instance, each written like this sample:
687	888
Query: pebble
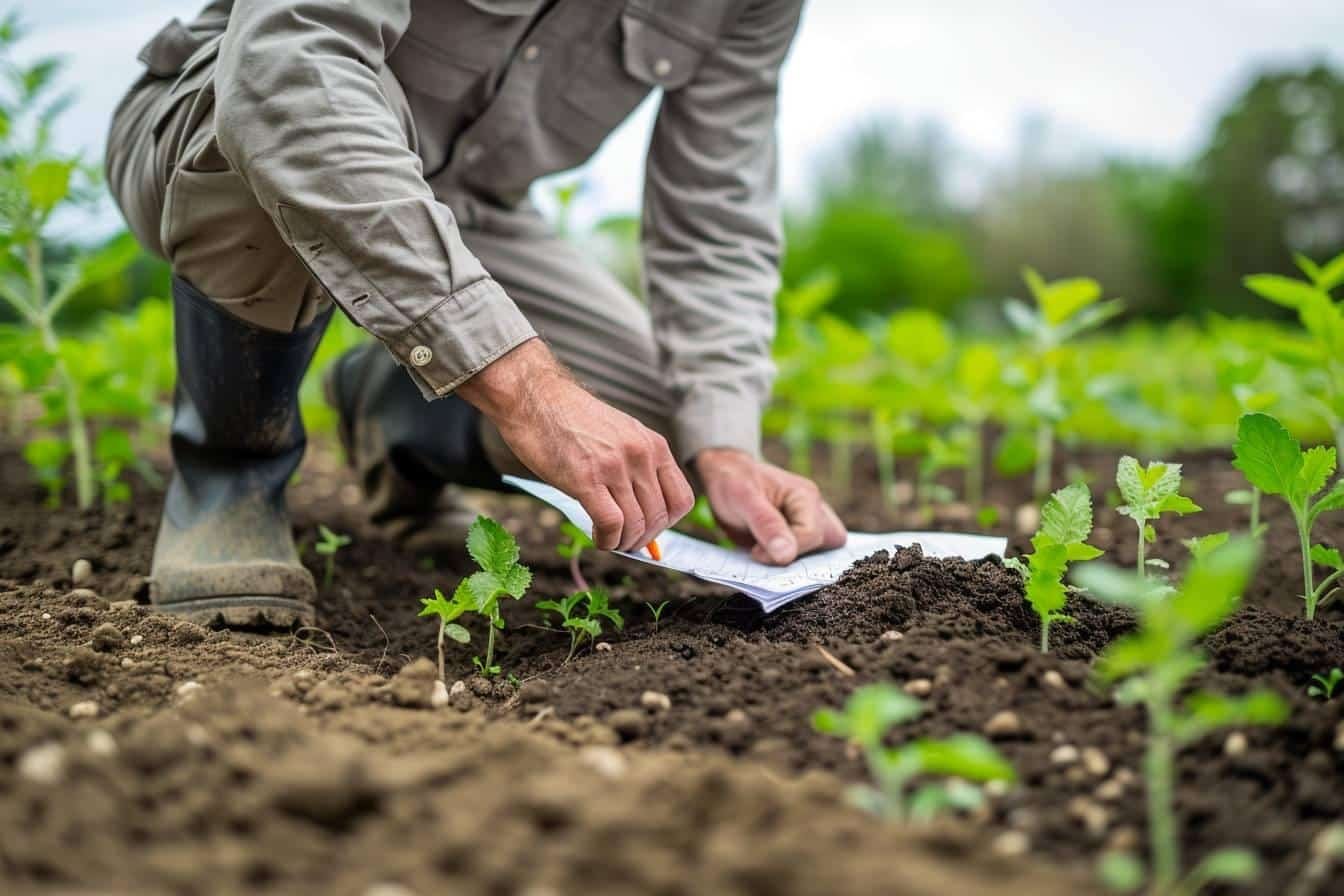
534	691
127	662
655	700
606	761
100	743
892	635
1094	817
460	697
46	617
630	724
1011	844
1109	790
1052	679
602	647
81	572
197	734
1004	723
439	698
107	637
918	687
388	888
1064	754
84	709
1123	839
1329	841
187	689
123	606
1096	762
137	639
42	764
1235	745
996	788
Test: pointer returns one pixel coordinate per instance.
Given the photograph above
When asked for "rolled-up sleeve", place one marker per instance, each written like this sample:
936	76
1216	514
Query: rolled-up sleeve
711	232
301	115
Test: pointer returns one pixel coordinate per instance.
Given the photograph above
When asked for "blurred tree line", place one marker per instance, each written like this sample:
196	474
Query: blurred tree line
1171	238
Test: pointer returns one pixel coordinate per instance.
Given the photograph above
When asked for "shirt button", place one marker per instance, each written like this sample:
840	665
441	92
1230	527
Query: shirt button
662	68
421	355
531	53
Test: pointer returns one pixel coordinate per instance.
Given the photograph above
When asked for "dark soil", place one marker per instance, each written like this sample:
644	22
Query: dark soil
312	761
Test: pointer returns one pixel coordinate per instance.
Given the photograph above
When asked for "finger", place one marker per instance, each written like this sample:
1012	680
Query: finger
607	518
775	542
834	533
676	490
802	507
648	491
632	527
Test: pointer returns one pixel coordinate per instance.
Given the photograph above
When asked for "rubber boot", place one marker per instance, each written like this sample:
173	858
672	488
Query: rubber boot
225	552
410	454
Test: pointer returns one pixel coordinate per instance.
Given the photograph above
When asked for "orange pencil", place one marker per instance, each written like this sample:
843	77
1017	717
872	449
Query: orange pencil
654	551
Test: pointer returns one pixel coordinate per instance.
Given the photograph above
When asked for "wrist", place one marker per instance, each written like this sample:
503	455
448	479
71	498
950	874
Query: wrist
503	385
708	461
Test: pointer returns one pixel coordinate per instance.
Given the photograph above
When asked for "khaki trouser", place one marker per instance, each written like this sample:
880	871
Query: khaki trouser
182	201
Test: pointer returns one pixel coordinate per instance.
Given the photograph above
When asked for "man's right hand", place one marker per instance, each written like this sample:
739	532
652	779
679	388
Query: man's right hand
622	472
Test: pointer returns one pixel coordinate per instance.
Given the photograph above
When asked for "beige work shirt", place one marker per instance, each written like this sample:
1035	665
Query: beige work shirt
503	92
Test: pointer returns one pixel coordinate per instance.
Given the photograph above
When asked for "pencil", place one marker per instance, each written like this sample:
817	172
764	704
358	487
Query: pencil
654	551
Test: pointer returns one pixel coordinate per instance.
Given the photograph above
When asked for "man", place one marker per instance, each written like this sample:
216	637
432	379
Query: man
285	154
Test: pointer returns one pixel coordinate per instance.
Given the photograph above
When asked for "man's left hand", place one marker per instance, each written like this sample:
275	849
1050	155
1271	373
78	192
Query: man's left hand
778	514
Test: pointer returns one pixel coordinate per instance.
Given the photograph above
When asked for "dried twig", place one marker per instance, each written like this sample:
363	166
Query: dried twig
840	667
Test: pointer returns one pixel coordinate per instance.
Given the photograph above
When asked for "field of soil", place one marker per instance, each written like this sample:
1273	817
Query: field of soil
141	754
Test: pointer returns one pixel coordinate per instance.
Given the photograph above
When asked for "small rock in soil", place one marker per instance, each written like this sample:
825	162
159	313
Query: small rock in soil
439	697
630	724
656	701
1064	754
1003	724
187	689
84	709
1096	762
1052	679
534	691
606	761
919	687
460	697
100	743
42	764
107	637
1011	844
1235	745
388	889
85	597
1123	839
1093	817
127	662
1109	791
81	572
137	640
602	647
892	635
1329	841
123	606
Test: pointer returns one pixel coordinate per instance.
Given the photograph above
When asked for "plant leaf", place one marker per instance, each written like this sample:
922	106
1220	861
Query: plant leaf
1178	504
1317	465
1281	290
491	546
1267	455
1324	556
457	633
1066	517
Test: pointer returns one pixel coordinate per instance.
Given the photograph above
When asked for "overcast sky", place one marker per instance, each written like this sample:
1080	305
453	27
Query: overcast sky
1144	77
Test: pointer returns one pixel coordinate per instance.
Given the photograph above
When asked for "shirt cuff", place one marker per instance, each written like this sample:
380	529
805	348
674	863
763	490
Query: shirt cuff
714	418
459	336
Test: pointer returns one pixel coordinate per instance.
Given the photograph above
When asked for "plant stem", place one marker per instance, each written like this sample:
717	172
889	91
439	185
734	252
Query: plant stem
1143	550
490	649
1045	636
442	627
1159	765
575	572
573	646
1045	458
331	569
1255	511
1308	590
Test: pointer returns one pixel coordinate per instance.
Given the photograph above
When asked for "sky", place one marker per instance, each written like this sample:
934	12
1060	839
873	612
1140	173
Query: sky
1143	78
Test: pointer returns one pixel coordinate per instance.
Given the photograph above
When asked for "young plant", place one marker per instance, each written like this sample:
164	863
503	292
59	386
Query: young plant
576	541
1066	524
1064	309
500	575
964	759
581	614
1274	462
1151	667
656	611
1149	492
328	545
1323	686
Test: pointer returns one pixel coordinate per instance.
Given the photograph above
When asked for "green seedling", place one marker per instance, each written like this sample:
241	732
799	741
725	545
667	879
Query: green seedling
1066	524
581	615
1323	686
1063	310
1205	545
575	542
1237	376
1152	667
656	611
963	759
500	575
1274	462
328	544
1149	492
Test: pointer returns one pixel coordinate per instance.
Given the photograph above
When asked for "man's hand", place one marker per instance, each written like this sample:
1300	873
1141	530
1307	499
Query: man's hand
778	514
621	471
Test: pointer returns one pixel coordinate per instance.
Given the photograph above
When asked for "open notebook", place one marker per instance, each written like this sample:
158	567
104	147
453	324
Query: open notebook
770	586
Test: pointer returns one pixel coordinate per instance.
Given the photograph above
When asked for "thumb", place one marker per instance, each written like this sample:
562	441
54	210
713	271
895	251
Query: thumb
774	539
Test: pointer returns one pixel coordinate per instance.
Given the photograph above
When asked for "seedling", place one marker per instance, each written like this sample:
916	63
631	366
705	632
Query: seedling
1149	492
964	759
1064	309
657	612
1274	462
328	545
500	575
1066	524
1205	545
576	541
1323	686
1152	667
581	614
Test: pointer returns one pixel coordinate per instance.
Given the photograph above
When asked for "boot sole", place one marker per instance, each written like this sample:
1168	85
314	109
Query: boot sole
243	611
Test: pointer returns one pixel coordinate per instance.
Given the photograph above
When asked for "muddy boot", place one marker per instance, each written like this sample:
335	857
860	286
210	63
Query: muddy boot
225	551
411	455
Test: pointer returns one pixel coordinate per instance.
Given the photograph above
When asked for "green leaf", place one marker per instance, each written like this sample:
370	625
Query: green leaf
1330	501
967	756
457	633
869	712
1045	585
1206	544
491	546
1267	455
1066	517
1331	275
113	445
1129	479
1212	589
1317	465
1079	552
46	454
47	183
1178	504
1232	865
515	581
1121	872
1324	556
1204	712
1280	290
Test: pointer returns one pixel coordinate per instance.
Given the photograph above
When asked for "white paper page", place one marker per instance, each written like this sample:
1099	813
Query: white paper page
771	586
